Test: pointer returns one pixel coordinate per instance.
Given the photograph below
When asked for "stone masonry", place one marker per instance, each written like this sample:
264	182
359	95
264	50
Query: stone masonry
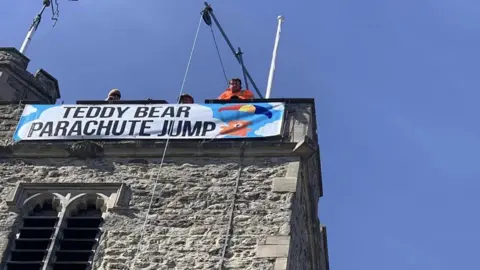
17	84
217	204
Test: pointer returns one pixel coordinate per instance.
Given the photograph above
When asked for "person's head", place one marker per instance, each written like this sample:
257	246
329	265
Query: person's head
186	99
235	84
114	94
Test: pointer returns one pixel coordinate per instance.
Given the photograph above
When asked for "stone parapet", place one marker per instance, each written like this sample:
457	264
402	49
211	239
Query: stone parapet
12	57
17	84
92	149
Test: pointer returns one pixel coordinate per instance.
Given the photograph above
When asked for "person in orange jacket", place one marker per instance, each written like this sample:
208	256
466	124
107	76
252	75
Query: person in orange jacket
235	91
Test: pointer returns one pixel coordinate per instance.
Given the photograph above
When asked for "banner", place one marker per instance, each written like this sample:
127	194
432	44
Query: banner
176	121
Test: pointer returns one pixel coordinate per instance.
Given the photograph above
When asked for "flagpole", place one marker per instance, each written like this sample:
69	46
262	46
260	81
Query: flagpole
281	19
33	27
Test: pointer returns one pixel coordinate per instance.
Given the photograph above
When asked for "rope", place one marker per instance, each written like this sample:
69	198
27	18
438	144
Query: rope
232	209
55	12
142	232
218	52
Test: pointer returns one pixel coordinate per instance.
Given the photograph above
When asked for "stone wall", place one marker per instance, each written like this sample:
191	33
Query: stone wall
230	205
306	249
189	219
9	116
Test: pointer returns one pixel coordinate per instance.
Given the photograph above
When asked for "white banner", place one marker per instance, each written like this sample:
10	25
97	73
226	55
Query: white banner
180	121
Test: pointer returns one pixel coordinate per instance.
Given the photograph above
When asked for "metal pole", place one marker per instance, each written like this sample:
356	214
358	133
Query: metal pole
240	61
243	66
33	28
210	11
281	19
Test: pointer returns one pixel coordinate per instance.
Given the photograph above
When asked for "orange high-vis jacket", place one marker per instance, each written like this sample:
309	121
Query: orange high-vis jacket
243	94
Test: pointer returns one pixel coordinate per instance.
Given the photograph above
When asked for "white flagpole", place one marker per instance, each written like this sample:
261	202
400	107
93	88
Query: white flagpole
281	19
33	28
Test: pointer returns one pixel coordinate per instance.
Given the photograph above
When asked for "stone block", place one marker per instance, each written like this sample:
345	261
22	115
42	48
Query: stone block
49	83
272	251
284	184
278	240
293	169
280	264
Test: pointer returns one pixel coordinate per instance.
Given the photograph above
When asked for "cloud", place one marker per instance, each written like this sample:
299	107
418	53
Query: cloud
29	109
276	106
270	129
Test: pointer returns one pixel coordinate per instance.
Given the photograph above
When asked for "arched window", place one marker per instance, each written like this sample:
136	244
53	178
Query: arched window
78	236
60	224
30	247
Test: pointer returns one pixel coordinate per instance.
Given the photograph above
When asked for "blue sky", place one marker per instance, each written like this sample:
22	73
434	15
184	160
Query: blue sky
396	89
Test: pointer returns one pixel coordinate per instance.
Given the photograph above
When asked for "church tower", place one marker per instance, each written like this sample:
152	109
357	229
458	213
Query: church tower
72	200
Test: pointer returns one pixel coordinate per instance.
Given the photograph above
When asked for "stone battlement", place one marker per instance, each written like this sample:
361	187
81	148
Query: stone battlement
17	84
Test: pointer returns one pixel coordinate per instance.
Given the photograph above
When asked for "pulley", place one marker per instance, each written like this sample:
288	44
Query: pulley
206	15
